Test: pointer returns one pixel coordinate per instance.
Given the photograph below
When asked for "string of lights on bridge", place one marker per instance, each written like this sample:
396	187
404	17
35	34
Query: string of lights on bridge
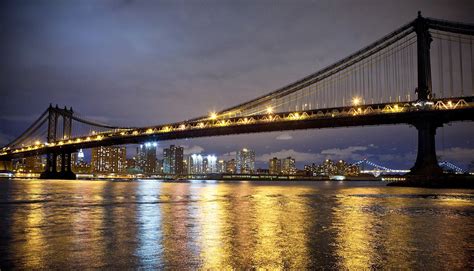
213	121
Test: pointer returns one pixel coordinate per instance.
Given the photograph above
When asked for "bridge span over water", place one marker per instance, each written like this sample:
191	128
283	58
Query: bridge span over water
422	74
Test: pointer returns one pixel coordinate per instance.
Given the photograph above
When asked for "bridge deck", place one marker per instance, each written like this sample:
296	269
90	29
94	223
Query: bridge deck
442	110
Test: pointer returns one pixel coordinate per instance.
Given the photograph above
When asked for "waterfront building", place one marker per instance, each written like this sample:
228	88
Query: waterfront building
173	160
146	157
231	166
202	164
109	159
288	166
221	166
330	168
274	166
32	164
245	161
211	164
159	166
195	165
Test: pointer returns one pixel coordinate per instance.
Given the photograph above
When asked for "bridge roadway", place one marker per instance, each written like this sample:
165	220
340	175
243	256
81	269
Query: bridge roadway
439	111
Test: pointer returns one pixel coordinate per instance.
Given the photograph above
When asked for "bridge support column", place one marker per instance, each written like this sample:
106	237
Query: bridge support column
66	172
426	162
6	165
50	172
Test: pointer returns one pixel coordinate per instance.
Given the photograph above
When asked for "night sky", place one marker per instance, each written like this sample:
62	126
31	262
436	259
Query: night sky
139	63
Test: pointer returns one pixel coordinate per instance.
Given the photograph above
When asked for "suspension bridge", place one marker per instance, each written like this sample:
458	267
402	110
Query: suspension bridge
367	166
420	74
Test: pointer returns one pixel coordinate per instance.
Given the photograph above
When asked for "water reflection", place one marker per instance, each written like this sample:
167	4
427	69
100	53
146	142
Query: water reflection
150	238
199	225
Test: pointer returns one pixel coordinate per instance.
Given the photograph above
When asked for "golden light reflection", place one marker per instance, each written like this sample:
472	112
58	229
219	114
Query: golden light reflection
30	220
214	240
281	236
355	232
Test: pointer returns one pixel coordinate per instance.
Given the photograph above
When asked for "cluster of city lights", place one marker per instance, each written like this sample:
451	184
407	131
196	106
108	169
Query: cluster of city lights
356	110
149	144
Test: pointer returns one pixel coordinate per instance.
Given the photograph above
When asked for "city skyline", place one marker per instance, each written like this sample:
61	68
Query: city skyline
212	86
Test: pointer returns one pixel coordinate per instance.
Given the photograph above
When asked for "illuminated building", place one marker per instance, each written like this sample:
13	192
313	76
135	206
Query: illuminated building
109	159
173	160
199	164
245	161
221	166
159	166
146	157
274	166
330	168
80	157
33	164
211	164
288	166
231	166
195	164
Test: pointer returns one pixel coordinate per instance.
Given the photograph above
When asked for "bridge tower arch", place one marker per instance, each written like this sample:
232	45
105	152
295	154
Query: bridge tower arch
51	171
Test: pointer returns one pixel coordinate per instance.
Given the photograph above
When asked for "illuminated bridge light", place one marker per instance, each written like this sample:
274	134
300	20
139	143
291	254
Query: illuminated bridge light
99	137
149	131
356	101
37	142
200	125
135	132
213	115
182	126
269	110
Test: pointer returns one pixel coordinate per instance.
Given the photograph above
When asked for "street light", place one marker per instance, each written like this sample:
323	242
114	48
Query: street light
213	116
269	110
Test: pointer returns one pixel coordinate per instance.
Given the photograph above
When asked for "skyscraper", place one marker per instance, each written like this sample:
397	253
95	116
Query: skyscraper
288	166
146	157
274	166
245	161
231	166
199	164
173	160
221	166
109	159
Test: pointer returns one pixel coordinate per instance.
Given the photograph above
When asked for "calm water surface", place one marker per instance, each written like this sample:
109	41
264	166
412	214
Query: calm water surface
242	225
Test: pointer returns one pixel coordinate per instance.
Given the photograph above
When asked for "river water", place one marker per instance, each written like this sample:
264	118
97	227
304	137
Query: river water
240	225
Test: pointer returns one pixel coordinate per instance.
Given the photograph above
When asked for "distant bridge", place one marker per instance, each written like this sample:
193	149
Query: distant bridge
378	170
387	82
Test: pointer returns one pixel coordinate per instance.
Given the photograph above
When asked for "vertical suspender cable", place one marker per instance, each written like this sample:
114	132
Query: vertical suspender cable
472	66
460	67
385	76
397	89
450	57
441	69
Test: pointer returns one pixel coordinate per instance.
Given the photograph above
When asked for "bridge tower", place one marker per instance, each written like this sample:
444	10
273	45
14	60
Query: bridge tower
51	171
426	162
